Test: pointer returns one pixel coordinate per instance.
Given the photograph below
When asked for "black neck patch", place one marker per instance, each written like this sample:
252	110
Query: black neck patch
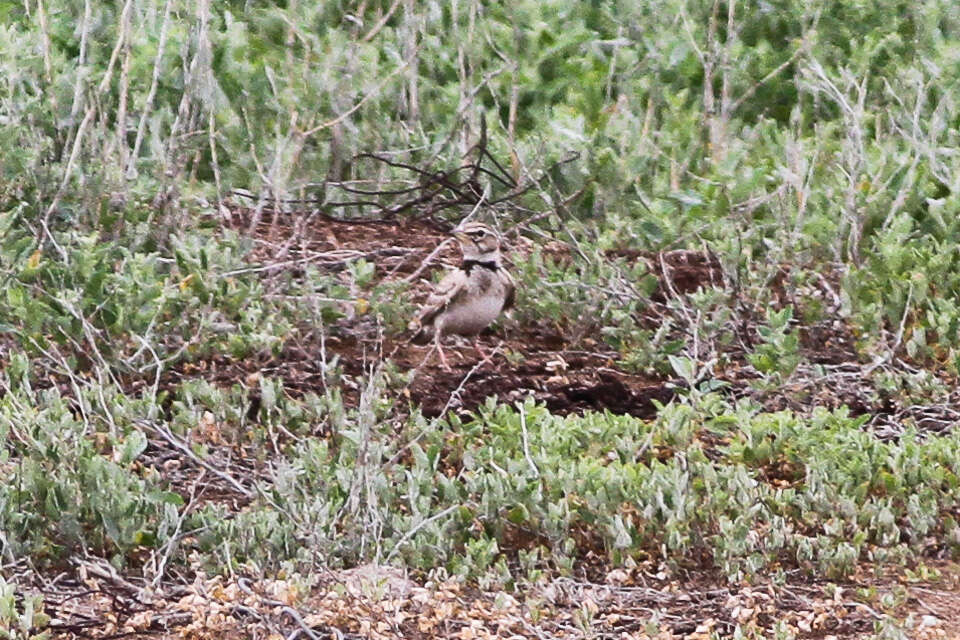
467	265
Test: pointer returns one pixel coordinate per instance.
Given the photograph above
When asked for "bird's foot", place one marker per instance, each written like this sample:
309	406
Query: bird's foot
483	354
443	359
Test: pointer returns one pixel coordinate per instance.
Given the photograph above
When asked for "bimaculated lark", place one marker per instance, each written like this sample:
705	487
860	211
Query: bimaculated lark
470	297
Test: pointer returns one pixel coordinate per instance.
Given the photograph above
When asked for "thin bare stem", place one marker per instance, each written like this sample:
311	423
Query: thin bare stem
152	93
349	112
381	23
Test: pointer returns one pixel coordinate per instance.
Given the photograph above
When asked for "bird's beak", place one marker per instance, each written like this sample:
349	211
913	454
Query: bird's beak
459	235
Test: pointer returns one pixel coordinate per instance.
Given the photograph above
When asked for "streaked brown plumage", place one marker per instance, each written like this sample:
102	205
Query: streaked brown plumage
471	297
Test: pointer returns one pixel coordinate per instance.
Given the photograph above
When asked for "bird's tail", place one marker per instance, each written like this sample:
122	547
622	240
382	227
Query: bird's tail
423	335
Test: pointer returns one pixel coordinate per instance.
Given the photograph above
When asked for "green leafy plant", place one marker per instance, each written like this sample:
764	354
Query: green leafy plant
22	617
778	355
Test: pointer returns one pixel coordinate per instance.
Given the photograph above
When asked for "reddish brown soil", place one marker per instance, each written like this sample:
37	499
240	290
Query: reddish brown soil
526	361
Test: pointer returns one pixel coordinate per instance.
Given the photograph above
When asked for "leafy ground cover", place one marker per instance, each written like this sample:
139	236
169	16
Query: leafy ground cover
724	405
556	490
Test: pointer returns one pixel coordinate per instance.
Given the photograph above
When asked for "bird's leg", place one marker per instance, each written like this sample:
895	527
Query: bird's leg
443	358
483	354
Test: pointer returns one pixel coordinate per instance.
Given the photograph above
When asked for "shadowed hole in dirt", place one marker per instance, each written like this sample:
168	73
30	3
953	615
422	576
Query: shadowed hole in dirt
583	384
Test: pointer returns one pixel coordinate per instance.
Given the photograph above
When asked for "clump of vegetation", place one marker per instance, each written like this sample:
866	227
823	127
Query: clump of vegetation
734	486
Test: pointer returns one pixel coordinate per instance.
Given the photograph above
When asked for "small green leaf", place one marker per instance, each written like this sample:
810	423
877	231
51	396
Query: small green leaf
169	497
684	367
134	444
518	514
145	538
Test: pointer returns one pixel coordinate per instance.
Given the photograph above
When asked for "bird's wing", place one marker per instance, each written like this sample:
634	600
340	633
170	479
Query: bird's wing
511	287
451	287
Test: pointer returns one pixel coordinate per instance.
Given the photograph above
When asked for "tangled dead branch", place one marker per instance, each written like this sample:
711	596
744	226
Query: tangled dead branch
481	180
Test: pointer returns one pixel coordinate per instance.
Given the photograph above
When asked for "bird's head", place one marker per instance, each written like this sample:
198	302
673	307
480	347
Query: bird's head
478	242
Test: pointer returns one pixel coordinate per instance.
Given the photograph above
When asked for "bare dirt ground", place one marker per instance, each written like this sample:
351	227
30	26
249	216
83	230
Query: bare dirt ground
535	360
90	600
381	602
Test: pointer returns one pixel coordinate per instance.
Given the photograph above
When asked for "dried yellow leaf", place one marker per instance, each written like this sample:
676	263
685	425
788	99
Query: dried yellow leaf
34	260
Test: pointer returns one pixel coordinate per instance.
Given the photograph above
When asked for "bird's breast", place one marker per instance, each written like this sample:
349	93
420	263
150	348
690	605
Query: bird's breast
480	306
